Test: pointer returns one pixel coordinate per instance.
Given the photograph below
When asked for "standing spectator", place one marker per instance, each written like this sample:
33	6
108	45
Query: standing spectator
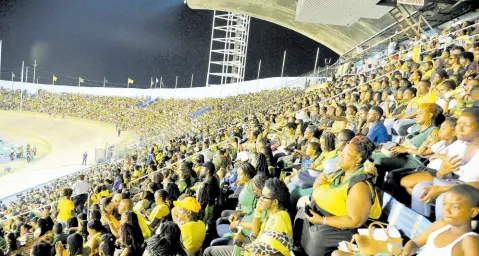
65	207
85	155
80	193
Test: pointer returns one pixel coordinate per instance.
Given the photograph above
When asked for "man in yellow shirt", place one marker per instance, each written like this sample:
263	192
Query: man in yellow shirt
193	231
428	70
66	208
275	235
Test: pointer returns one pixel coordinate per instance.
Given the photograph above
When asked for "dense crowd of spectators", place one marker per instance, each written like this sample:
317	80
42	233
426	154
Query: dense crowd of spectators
274	172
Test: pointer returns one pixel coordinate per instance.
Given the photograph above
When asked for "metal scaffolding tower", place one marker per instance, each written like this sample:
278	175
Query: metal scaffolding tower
228	49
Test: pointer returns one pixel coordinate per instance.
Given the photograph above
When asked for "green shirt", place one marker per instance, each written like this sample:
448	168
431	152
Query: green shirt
246	198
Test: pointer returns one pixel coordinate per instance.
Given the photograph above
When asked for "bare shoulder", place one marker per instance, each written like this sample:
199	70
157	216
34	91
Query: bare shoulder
470	244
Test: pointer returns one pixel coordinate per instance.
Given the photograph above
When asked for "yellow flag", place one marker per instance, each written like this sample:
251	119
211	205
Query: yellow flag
130	81
54	78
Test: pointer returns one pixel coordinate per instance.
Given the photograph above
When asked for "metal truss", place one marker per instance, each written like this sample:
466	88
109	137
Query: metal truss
228	49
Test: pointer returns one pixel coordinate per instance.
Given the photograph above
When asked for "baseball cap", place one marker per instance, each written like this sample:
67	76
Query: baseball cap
188	203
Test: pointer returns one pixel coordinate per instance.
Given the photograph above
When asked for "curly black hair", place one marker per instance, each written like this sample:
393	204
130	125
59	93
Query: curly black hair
364	146
280	192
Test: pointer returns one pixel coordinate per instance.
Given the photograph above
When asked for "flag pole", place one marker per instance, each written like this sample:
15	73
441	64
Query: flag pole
26	75
151	82
104	81
23	66
257	78
176	83
13	76
284	60
191	85
161	81
316	63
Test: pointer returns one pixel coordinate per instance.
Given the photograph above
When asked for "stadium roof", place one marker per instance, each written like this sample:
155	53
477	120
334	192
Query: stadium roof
350	22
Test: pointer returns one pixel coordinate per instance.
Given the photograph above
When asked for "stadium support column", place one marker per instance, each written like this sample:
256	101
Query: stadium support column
228	48
34	70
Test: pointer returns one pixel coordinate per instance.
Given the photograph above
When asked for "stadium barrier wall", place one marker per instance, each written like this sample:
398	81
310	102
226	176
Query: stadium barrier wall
214	91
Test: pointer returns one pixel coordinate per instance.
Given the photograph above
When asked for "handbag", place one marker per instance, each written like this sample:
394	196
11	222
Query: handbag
368	245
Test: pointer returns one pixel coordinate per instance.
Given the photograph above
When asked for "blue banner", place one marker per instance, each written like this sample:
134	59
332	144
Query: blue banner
200	112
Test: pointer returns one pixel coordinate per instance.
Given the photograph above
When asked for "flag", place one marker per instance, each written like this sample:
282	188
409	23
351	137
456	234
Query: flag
130	81
81	80
13	75
54	79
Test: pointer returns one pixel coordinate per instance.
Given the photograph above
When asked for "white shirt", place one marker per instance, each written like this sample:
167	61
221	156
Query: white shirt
438	148
441	102
467	172
80	187
208	155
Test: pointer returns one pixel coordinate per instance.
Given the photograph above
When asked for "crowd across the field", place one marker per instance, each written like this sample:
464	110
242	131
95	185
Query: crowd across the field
276	172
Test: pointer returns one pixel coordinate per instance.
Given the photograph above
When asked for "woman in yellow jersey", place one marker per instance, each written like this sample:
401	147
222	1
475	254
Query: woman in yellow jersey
340	202
65	206
95	229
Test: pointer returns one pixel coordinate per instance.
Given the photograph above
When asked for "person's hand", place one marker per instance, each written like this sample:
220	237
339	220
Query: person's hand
405	252
239	238
234	225
450	165
59	248
398	150
431	193
322	179
316	219
233	217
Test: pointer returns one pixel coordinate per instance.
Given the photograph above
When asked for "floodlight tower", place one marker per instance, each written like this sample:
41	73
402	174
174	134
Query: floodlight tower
228	49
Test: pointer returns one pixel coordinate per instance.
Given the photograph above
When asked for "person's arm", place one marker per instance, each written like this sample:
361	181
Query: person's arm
93	245
358	206
114	224
256	225
413	245
470	246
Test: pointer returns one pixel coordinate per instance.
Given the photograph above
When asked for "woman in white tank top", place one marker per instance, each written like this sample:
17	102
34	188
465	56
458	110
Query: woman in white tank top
431	249
452	235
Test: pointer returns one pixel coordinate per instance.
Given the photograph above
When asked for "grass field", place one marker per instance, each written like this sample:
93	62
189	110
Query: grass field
60	143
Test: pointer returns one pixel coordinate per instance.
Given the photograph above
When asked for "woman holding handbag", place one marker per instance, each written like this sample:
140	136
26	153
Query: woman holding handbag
340	202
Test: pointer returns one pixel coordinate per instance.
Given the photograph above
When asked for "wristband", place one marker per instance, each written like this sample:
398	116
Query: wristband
324	221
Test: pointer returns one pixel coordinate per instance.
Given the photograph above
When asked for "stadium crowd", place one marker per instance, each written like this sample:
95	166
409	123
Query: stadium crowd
276	172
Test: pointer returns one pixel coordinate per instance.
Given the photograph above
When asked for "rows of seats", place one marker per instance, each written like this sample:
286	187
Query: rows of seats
281	172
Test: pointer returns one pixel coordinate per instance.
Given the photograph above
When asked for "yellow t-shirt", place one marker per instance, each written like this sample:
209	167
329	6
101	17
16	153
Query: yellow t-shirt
159	212
145	230
192	236
428	75
65	208
279	222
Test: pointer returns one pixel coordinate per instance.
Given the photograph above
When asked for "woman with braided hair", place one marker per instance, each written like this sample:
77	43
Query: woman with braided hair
167	242
131	238
341	201
260	164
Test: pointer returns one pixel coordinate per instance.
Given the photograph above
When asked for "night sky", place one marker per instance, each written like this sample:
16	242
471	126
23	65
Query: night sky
134	38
